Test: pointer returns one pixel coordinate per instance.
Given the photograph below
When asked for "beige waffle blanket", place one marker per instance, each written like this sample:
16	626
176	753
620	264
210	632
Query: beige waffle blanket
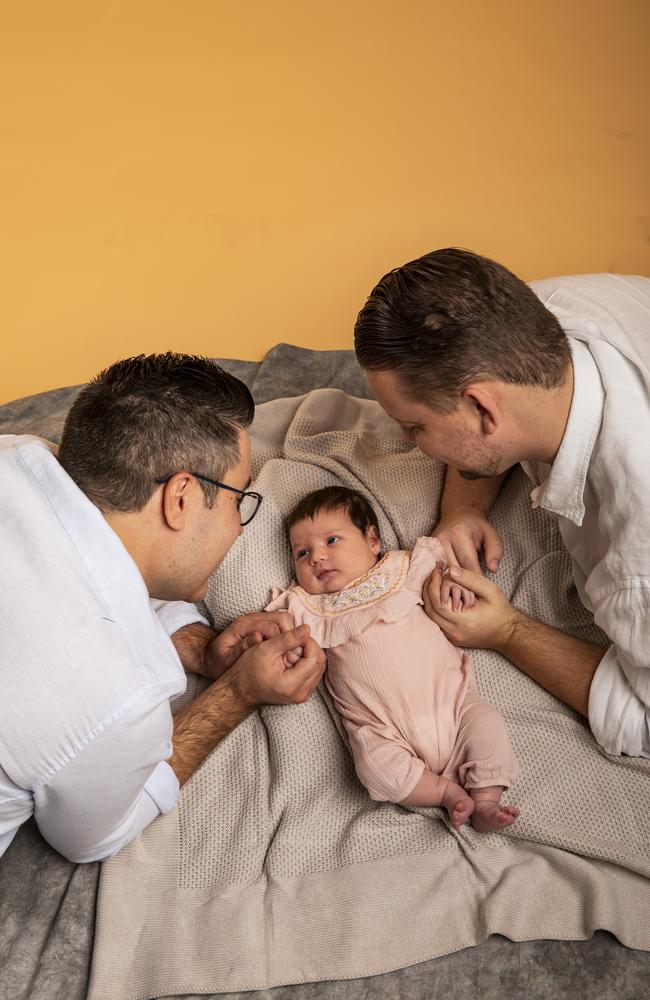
277	868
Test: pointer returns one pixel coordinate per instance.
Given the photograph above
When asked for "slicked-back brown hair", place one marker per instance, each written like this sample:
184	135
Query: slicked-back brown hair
354	503
451	318
150	416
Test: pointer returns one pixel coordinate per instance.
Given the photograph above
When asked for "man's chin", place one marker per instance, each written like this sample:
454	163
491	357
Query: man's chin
473	474
199	594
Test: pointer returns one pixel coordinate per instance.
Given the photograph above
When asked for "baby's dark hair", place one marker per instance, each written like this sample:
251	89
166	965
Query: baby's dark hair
335	498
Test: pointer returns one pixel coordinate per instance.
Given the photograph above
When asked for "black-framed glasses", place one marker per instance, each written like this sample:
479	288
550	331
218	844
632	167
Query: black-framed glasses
248	502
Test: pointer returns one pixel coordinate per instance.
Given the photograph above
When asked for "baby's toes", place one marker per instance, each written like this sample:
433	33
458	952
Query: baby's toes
461	812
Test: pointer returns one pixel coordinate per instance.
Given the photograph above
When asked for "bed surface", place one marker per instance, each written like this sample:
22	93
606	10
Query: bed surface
47	904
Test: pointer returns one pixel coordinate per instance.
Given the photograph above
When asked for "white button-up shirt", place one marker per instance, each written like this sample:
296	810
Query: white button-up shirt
87	668
598	488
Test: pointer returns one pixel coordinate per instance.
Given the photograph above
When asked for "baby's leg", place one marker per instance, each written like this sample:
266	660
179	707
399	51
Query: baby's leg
489	814
389	766
432	790
484	762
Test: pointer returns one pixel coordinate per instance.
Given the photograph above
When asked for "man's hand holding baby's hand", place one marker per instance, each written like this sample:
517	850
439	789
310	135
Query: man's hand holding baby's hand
461	598
246	631
262	676
488	624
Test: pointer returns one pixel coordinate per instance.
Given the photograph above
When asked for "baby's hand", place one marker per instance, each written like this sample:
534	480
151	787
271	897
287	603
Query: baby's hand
292	657
461	598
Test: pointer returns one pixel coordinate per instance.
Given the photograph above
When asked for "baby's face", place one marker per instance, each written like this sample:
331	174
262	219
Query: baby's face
329	551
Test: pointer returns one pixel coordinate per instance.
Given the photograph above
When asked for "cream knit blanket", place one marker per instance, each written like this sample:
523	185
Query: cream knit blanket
276	867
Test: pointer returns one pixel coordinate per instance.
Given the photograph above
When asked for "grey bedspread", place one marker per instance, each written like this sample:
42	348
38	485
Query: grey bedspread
47	904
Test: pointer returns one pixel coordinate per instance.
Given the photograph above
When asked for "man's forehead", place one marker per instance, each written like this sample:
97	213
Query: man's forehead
244	441
389	391
242	469
245	449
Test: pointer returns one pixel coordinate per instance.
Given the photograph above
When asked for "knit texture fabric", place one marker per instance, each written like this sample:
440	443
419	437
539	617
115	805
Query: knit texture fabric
276	867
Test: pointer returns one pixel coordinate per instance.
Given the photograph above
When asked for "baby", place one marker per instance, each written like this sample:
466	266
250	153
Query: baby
419	732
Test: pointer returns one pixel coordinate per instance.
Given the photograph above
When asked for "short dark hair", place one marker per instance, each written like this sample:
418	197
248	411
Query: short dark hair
354	503
452	317
150	416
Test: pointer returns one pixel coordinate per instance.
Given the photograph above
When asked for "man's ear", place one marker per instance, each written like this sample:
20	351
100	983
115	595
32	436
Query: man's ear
485	404
176	500
373	539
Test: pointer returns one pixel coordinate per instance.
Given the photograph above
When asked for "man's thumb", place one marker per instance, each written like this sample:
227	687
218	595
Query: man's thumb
473	581
493	550
294	637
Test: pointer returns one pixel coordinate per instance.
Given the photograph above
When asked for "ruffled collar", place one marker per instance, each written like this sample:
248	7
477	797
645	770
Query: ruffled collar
382	579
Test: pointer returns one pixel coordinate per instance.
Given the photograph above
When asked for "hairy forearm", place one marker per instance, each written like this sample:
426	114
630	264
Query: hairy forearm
192	644
460	493
199	727
560	663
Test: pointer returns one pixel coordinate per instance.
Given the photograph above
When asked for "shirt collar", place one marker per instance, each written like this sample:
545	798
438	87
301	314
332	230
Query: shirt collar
562	492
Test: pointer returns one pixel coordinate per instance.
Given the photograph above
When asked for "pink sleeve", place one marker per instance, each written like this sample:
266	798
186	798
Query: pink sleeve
286	600
388	768
426	555
279	600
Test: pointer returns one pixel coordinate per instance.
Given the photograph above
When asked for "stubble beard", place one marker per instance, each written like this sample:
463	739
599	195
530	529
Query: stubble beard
492	466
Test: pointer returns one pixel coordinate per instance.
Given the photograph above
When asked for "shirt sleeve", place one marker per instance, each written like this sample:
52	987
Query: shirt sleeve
176	614
15	807
114	786
619	698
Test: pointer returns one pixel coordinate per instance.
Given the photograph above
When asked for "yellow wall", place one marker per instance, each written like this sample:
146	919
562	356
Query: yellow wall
215	177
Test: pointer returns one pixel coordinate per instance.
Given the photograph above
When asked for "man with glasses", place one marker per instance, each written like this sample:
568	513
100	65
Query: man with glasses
104	547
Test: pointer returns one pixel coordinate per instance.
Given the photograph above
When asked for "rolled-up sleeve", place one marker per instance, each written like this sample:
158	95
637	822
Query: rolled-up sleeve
176	614
113	787
619	698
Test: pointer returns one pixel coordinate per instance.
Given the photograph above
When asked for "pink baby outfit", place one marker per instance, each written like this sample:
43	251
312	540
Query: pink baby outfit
403	690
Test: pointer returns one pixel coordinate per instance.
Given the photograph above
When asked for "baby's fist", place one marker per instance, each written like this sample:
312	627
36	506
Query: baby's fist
292	657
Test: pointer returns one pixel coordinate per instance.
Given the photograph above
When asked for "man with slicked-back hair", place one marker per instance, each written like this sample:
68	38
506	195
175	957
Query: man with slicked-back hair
484	372
105	547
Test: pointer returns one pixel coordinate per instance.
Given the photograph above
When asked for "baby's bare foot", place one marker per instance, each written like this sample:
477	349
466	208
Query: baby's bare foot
458	804
489	816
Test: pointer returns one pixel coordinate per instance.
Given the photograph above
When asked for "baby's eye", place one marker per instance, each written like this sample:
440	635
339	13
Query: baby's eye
301	553
331	539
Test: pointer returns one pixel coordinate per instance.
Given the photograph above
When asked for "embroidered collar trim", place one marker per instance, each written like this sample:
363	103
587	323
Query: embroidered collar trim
375	584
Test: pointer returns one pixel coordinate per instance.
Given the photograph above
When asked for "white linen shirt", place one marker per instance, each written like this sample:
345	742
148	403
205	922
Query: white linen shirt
598	488
87	668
